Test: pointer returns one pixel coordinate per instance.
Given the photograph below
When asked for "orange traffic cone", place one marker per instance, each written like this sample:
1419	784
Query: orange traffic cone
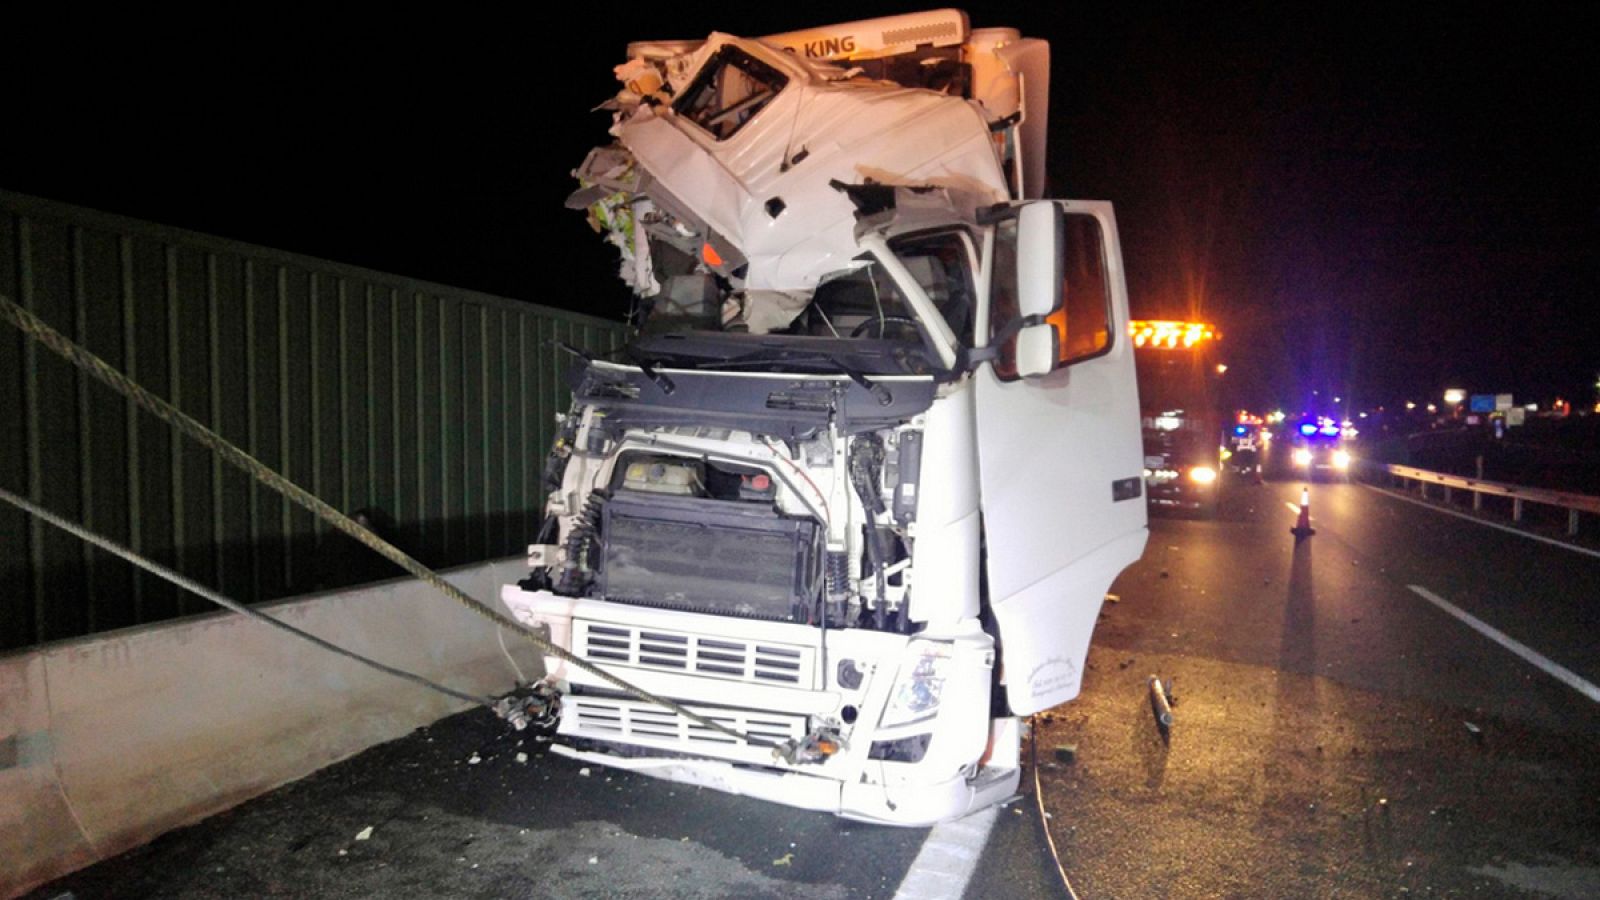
1302	528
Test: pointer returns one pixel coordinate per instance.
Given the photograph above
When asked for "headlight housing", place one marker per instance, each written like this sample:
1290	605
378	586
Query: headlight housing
1202	474
1302	457
919	685
1341	459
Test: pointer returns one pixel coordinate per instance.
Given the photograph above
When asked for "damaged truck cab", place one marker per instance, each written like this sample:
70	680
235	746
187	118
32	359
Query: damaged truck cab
857	488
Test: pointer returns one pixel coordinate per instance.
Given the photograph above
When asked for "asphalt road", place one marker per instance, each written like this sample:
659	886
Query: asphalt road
1337	734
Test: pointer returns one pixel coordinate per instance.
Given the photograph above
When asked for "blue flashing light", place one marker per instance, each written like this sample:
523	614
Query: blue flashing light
1308	429
1241	430
1330	430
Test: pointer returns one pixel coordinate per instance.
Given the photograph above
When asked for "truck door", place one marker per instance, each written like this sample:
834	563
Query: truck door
1059	453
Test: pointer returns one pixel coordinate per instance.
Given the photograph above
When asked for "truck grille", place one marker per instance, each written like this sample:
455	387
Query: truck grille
634	722
785	665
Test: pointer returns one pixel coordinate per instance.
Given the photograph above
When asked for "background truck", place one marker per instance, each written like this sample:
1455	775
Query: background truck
855	493
1180	413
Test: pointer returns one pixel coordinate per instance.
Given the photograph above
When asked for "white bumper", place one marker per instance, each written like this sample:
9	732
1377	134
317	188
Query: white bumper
774	682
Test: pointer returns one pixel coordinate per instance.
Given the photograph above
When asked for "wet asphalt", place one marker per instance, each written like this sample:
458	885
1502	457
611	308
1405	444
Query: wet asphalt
1335	735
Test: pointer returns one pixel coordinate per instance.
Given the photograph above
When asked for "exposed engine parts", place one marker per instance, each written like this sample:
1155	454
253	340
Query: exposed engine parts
536	706
806	528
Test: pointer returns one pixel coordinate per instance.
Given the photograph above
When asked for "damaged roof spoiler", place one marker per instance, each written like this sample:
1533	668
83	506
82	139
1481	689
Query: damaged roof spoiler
861	39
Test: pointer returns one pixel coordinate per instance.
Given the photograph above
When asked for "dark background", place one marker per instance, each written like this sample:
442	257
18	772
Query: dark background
1370	202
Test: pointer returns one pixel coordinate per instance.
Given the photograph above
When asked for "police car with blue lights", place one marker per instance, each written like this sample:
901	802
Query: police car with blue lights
1322	450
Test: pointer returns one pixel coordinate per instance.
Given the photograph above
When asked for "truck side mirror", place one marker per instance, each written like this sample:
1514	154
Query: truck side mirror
1050	291
1040	232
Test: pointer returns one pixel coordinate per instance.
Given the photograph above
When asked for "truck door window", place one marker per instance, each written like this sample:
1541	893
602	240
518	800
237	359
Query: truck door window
731	88
1083	321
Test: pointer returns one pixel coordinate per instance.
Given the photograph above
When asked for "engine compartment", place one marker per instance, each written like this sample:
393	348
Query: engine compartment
713	510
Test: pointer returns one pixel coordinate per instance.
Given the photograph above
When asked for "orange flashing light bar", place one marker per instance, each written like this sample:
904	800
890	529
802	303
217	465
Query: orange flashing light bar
1164	334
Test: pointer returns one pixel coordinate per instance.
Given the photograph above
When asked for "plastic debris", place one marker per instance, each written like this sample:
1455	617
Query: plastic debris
584	771
522	758
364	833
594	860
474	759
785	860
1473	729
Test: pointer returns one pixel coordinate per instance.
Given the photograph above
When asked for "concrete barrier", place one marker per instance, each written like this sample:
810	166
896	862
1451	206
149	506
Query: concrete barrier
106	742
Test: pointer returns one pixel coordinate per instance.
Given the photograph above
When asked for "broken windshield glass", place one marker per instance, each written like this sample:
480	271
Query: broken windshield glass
731	88
866	302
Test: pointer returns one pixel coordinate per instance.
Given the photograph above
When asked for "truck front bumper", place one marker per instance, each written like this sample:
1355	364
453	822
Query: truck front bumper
774	683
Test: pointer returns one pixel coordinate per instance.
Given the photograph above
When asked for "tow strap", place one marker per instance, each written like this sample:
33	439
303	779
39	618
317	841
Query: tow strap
195	587
36	329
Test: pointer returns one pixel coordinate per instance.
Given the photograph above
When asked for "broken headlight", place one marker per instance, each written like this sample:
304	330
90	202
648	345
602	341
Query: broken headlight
921	681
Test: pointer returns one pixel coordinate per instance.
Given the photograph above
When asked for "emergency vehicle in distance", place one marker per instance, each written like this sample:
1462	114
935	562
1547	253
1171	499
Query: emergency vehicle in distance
1321	449
1180	413
857	489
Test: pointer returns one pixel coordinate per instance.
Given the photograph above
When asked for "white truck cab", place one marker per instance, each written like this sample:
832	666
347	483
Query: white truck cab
858	487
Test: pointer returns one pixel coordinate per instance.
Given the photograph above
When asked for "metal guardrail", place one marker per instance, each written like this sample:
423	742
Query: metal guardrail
1518	494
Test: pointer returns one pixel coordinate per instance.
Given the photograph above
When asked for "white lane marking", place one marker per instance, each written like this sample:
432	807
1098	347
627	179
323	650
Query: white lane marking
948	857
1506	528
1554	669
1293	507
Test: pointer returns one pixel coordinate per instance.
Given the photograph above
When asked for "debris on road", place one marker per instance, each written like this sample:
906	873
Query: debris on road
785	860
1473	730
474	759
522	759
364	834
1159	705
584	771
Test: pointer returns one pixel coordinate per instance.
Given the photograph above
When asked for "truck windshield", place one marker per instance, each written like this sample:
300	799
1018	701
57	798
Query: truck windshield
859	311
1172	381
865	302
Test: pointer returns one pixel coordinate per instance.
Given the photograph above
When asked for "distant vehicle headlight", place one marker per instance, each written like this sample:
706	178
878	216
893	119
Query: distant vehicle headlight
1341	459
1202	474
1302	457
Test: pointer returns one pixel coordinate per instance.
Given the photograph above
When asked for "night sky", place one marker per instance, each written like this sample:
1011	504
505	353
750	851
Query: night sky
1372	203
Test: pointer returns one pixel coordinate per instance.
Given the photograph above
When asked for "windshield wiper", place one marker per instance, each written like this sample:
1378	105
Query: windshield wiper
667	385
766	358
